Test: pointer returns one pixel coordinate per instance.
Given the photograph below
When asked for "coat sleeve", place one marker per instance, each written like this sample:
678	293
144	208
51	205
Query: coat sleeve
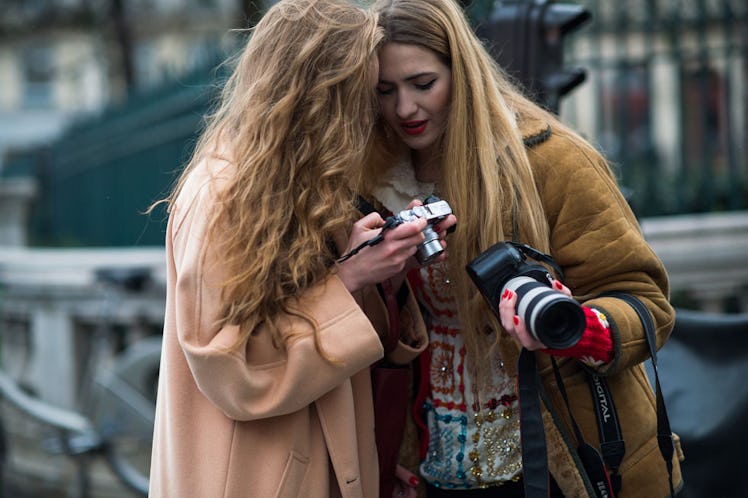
598	243
410	318
256	378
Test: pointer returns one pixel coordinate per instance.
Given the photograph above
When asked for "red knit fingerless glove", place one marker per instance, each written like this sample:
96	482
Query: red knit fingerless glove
595	347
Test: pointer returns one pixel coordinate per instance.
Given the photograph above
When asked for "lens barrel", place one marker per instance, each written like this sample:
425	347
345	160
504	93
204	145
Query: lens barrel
430	248
550	316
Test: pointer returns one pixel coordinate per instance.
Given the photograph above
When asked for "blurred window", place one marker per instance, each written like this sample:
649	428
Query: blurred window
38	72
626	125
704	117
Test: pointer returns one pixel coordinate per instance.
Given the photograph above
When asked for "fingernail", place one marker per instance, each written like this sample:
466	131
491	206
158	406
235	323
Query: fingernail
558	285
516	320
506	292
413	481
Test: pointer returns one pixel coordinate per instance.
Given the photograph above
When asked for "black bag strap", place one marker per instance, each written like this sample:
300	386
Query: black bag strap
664	433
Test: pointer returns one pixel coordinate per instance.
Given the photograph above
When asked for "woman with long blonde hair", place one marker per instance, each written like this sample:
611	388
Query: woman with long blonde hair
264	385
452	124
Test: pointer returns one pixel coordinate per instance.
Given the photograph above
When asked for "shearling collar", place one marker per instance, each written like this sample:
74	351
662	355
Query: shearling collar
534	131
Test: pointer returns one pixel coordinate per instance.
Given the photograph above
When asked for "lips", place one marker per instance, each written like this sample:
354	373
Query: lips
413	127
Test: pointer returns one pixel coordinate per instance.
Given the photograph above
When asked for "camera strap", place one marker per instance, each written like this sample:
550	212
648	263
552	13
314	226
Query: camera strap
589	456
390	222
612	445
664	433
538	256
532	442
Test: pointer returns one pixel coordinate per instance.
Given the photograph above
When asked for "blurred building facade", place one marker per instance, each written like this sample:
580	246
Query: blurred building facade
67	60
666	99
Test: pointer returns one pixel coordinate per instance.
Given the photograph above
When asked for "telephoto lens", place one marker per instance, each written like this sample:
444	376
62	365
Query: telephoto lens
550	316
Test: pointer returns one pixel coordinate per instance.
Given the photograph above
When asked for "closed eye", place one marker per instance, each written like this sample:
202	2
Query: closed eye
426	86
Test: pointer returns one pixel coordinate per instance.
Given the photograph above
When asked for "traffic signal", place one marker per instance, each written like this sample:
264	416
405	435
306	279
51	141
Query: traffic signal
527	39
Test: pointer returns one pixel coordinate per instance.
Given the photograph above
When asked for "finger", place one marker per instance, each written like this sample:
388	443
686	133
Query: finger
507	311
406	477
557	285
443	226
524	336
414	203
410	229
371	221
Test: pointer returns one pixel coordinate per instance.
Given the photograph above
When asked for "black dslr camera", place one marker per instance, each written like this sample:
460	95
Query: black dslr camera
550	316
434	210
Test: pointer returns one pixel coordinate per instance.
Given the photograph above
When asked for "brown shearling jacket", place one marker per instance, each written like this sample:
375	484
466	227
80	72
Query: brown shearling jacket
596	240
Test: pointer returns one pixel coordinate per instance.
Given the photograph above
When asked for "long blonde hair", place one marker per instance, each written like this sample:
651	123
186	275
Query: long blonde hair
485	172
296	116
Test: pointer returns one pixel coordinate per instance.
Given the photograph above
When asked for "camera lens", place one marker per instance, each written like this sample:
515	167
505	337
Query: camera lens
552	317
430	248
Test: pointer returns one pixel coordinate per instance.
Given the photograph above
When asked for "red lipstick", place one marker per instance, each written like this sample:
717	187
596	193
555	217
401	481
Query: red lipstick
413	127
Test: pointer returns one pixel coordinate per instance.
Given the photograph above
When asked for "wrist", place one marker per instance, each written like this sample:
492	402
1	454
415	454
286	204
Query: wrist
348	277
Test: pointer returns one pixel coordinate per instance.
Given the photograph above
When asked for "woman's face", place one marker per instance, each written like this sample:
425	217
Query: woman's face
414	93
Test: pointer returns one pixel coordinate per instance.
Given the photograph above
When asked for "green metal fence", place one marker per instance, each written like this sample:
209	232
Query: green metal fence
666	99
97	181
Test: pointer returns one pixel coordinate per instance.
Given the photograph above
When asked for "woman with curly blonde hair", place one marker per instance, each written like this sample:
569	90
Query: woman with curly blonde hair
264	385
452	124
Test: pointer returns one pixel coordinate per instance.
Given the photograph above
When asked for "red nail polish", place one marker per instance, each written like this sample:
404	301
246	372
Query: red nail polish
413	481
558	285
516	320
506	291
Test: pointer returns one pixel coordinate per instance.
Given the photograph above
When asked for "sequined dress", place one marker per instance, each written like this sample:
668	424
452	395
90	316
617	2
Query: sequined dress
469	446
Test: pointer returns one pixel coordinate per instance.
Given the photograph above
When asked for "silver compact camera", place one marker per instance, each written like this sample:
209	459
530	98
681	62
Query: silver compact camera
433	210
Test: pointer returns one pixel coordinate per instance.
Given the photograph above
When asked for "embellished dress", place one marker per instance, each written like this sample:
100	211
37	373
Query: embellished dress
469	445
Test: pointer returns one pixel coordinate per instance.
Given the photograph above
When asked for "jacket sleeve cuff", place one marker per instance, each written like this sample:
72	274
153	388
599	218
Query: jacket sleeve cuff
595	347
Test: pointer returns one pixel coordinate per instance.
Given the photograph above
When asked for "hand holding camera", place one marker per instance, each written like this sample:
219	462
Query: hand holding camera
434	210
550	316
420	238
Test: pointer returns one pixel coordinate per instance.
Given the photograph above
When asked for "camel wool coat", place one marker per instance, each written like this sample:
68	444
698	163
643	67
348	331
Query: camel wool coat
259	420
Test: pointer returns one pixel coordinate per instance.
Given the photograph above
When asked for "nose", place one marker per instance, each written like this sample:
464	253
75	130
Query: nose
406	106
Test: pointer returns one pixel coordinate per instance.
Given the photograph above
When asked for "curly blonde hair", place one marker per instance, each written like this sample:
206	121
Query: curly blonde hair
485	173
296	115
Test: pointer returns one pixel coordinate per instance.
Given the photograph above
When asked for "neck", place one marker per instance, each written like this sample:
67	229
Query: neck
427	166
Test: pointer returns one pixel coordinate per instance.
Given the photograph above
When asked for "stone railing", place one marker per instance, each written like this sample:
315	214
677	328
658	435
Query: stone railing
56	297
706	256
56	294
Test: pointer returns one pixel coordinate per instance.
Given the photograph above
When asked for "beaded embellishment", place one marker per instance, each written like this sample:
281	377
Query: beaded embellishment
470	445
